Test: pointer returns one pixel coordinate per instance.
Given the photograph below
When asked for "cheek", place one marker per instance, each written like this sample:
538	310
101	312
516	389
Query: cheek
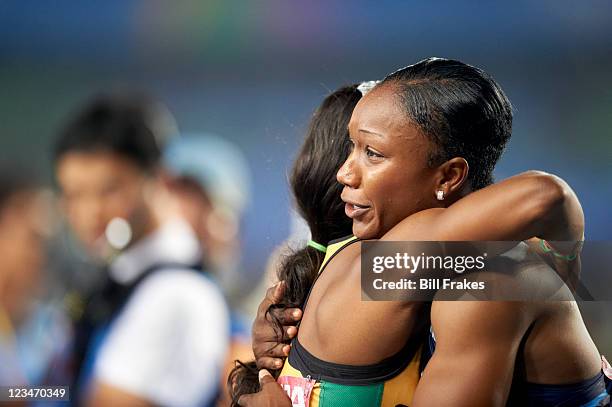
400	195
379	183
124	202
82	215
386	188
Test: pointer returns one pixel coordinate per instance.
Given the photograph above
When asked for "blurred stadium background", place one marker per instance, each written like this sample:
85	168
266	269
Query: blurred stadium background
253	72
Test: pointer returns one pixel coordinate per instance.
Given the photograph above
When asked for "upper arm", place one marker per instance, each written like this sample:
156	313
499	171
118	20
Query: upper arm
168	345
476	347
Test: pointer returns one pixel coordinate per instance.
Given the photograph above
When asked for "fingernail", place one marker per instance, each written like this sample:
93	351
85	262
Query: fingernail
278	363
296	313
262	373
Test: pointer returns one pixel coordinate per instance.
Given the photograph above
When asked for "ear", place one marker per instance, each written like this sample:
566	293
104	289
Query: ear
452	176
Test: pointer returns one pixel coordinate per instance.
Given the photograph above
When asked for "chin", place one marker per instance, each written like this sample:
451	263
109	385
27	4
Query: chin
364	231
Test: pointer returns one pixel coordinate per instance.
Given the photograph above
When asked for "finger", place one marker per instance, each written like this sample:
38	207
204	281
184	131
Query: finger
274	295
265	378
269	363
267	301
289	332
278	292
269	335
275	350
287	316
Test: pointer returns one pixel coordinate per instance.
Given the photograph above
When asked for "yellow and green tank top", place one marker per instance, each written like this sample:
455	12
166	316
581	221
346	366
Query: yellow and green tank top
312	382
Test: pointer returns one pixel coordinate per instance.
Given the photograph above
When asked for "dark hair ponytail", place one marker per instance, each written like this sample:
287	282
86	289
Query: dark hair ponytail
317	198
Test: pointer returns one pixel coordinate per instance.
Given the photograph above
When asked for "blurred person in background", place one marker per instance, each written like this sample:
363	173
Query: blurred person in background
210	182
156	331
33	331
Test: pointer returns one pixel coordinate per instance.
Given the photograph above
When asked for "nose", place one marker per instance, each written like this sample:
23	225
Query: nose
348	174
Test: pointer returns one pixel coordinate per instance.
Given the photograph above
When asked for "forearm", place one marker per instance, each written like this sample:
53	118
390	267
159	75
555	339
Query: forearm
518	208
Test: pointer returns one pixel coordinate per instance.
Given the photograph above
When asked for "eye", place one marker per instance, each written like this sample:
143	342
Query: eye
373	154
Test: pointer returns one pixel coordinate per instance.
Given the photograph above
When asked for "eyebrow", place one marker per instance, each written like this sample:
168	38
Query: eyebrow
370	132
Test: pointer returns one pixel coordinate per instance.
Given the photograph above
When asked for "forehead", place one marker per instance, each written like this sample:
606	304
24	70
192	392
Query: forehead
87	167
381	111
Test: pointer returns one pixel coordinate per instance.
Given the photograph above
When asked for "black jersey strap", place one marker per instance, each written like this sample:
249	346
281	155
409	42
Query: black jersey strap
352	375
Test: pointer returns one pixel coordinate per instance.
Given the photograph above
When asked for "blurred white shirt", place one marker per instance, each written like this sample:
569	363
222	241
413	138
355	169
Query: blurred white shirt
169	343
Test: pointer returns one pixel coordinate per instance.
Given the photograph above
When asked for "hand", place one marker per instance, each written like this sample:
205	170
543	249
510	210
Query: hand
270	395
268	348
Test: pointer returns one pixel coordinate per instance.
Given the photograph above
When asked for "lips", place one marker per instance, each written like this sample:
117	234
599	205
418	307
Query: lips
354	209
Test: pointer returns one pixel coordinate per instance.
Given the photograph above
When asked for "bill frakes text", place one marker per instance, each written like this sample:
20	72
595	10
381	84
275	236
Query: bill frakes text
428	284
